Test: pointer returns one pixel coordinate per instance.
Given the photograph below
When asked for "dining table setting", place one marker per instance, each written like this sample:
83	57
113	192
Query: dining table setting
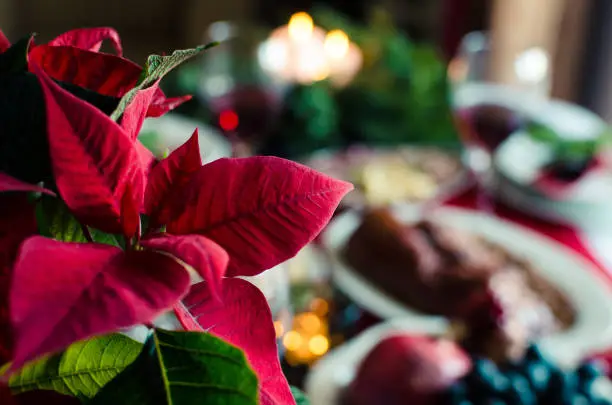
476	243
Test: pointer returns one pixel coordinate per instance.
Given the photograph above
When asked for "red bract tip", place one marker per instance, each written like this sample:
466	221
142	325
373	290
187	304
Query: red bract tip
89	39
262	210
8	183
168	179
65	292
100	72
4	42
161	104
94	161
251	330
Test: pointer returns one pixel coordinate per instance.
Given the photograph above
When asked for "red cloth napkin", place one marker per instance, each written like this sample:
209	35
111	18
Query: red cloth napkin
565	234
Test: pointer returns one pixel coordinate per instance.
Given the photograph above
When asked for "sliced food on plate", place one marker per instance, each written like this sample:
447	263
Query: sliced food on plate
497	285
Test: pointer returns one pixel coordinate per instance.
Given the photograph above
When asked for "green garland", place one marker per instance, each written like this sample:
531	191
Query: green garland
401	95
564	150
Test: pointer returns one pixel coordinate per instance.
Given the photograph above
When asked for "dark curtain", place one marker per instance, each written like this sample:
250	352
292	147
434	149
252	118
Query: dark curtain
596	63
275	12
460	17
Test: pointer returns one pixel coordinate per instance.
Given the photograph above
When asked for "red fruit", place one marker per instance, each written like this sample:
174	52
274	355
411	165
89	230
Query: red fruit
407	369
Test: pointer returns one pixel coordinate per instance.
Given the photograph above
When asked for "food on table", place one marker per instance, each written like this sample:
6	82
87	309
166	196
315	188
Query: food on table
384	176
399	371
386	182
499	299
408	369
532	380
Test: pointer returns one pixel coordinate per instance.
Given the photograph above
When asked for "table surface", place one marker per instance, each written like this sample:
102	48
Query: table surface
346	319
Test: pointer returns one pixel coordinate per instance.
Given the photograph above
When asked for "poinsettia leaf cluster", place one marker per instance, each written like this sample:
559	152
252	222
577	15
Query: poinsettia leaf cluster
112	238
73	61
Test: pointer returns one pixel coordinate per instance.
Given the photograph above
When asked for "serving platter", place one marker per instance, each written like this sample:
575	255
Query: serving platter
586	286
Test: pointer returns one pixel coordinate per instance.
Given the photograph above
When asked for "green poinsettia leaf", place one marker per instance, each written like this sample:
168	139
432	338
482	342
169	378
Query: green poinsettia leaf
300	397
55	221
81	370
15	59
183	368
157	67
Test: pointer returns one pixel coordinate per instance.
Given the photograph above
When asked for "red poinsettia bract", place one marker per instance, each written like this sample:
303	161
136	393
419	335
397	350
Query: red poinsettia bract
17	223
95	164
74	57
243	318
8	183
4	42
228	218
90	39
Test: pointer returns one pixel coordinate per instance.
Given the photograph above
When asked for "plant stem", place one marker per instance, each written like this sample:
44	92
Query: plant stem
87	233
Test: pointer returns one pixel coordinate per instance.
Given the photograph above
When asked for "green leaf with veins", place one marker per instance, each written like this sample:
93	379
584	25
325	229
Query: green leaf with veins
184	368
81	370
55	221
156	68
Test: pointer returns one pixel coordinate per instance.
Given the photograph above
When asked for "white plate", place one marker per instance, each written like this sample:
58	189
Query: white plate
346	165
173	130
584	284
335	371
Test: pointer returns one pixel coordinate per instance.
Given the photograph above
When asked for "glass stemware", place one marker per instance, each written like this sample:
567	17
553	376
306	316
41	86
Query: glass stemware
238	93
490	105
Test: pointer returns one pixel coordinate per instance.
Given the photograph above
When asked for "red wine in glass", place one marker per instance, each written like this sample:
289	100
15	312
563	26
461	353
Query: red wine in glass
483	128
487	125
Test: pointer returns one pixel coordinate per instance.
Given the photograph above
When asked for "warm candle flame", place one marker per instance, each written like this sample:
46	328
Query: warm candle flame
300	26
318	345
336	44
293	340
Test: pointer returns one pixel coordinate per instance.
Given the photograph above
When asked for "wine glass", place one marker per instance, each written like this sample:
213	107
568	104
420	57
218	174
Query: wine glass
239	94
487	106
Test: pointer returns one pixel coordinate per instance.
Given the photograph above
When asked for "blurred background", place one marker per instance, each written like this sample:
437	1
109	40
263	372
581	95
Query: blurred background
572	32
497	108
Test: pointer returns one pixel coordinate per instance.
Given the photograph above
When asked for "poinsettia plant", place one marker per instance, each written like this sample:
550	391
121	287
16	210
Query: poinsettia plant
97	237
